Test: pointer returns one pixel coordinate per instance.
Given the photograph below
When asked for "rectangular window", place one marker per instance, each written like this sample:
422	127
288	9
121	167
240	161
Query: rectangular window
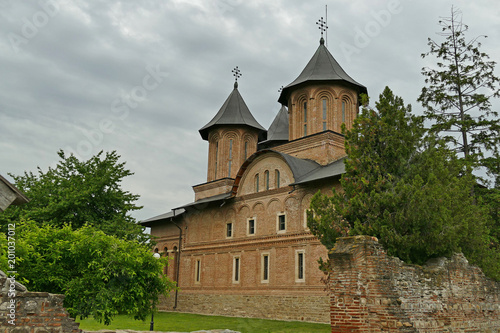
229	230
305	129
305	112
281	222
277	178
257	183
246	150
197	272
300	266
266	176
265	268
236	270
251	226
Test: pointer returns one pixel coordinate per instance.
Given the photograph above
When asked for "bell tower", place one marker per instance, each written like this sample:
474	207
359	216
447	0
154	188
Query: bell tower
232	137
321	99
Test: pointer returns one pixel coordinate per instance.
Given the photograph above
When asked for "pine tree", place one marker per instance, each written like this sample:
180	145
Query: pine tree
458	93
404	187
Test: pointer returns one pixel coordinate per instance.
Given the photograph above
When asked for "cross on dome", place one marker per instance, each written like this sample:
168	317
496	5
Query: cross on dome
322	25
237	74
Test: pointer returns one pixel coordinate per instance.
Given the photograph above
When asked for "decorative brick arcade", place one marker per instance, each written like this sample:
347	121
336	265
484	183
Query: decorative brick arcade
373	292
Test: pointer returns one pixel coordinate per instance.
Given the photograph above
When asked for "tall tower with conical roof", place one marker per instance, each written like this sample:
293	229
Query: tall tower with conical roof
322	97
232	136
320	100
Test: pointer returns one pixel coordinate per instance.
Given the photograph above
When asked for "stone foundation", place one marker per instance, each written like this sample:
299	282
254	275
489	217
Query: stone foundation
373	292
309	308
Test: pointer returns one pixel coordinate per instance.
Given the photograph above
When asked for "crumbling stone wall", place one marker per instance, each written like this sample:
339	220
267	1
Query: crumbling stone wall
22	311
373	292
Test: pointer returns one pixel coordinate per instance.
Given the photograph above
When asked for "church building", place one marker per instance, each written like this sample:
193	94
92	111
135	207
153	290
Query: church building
242	247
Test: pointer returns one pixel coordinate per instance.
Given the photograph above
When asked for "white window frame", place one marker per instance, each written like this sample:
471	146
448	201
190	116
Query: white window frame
278	222
297	278
262	255
254	226
306	228
232	230
236	259
197	271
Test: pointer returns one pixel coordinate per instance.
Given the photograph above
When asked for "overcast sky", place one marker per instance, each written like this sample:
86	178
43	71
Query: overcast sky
142	77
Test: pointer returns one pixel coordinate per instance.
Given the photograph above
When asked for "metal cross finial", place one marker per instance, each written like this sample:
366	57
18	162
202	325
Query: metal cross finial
236	73
322	26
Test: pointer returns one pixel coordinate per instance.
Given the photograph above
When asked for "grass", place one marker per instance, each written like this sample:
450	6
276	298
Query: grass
186	322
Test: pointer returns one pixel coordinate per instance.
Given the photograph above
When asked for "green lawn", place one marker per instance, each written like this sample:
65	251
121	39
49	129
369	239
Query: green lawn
185	322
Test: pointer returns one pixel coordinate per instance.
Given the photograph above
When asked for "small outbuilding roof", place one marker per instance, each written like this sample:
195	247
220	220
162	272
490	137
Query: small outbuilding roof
321	67
234	111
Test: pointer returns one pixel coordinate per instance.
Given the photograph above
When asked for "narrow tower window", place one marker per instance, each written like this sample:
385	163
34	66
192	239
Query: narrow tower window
305	118
266	177
257	183
343	111
324	114
216	157
277	178
246	149
230	157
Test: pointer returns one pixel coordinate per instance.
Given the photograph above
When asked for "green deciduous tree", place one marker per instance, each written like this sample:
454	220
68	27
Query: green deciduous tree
101	275
77	193
458	93
403	187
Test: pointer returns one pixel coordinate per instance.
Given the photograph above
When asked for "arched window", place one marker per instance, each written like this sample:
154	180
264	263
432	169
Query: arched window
246	150
324	105
266	178
277	178
257	183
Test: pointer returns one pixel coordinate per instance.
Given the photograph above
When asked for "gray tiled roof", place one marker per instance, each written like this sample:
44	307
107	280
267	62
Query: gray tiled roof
321	67
278	131
234	111
331	170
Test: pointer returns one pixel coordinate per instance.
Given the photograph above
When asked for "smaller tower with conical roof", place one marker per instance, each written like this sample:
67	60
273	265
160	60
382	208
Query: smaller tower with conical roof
232	136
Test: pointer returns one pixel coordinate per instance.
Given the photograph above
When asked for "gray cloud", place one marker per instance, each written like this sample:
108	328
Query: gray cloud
59	87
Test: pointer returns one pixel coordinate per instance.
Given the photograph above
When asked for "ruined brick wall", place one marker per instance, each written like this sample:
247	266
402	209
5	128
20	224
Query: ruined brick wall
373	292
22	311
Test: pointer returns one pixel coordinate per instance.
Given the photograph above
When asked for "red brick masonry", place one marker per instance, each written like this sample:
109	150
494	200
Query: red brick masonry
36	312
373	292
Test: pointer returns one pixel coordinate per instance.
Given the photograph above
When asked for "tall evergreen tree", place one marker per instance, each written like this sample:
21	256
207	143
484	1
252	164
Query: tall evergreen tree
403	187
458	94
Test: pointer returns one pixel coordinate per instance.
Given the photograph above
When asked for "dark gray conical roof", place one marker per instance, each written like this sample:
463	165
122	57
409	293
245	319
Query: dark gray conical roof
321	67
234	111
278	131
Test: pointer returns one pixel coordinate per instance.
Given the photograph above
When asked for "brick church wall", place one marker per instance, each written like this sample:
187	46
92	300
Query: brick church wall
373	292
310	308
